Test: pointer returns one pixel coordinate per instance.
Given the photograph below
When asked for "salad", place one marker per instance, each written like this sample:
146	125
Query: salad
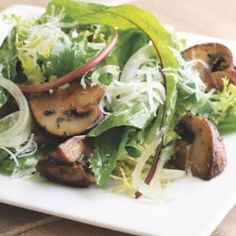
98	95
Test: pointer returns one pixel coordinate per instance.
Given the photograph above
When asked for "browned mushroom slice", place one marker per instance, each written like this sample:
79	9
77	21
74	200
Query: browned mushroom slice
72	150
206	156
213	59
69	111
73	175
215	79
179	159
214	56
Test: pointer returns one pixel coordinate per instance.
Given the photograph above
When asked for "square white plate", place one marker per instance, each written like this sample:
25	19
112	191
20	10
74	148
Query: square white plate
197	212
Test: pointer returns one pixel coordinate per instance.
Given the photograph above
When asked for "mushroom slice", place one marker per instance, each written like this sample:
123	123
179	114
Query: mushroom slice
72	150
214	56
73	175
179	159
215	79
206	155
69	111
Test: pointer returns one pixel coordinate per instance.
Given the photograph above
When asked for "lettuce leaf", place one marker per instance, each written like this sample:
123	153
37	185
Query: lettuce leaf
8	56
8	61
228	125
63	60
109	147
135	115
130	40
223	105
26	166
124	17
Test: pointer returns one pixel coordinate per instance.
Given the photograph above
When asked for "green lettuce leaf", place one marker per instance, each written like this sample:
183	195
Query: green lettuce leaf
127	16
8	56
228	125
63	59
124	17
8	61
129	42
26	166
109	147
135	115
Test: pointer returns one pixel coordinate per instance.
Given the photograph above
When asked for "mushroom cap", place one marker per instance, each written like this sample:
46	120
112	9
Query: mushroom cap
206	156
69	111
214	62
215	79
73	175
179	159
214	56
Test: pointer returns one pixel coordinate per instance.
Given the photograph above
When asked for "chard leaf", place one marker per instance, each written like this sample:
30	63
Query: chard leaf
129	42
122	16
109	147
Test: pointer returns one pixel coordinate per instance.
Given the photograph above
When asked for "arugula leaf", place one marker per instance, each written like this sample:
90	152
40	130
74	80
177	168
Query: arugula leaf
134	114
109	147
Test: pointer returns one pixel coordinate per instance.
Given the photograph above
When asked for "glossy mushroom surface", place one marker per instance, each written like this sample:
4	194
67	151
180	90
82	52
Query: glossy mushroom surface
214	62
215	79
211	56
73	175
67	164
206	156
67	112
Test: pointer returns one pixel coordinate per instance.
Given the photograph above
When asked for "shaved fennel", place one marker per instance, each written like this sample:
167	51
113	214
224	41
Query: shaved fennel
20	131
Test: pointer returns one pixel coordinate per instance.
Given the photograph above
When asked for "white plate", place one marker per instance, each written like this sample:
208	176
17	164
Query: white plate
197	212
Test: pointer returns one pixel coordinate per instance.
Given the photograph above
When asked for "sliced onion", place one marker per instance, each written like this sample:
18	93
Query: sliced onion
20	131
73	74
137	180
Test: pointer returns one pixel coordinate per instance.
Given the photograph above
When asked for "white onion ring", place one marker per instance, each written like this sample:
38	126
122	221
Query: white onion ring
21	130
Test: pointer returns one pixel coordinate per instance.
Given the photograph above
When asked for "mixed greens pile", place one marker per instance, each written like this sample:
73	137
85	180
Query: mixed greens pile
148	86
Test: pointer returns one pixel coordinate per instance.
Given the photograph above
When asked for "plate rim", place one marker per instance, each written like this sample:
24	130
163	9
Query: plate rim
210	229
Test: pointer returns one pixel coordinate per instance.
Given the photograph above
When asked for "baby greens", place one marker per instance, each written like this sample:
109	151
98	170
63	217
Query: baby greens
147	86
